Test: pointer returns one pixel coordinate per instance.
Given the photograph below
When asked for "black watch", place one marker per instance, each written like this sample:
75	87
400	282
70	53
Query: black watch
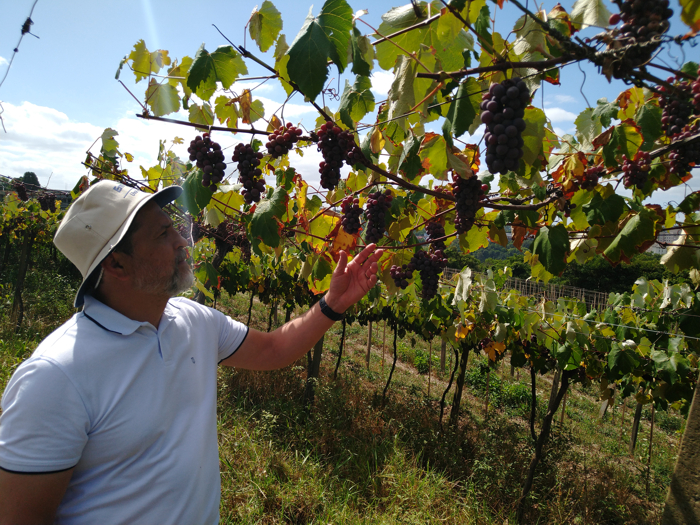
328	311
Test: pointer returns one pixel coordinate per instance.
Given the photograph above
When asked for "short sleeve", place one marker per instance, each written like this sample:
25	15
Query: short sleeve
44	423
231	336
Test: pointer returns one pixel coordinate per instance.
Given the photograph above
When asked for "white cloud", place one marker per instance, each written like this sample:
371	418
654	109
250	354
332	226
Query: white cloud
560	115
3	61
381	82
560	99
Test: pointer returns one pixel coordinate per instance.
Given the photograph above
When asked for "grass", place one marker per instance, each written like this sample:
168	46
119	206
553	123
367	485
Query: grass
350	459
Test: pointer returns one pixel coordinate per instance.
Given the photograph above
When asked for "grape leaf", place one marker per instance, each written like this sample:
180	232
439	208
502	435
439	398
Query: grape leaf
690	14
394	20
649	120
638	231
201	114
605	111
463	110
625	139
194	196
601	210
143	62
356	101
586	13
178	74
533	136
265	225
308	58
482	25
683	255
336	21
162	98
551	246
225	110
621	361
265	25
433	154
587	128
362	53
223	65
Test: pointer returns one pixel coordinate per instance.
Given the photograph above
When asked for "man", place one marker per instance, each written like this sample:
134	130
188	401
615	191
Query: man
113	418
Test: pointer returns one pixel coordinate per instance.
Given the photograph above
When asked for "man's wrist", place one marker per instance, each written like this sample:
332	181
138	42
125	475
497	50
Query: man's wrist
329	311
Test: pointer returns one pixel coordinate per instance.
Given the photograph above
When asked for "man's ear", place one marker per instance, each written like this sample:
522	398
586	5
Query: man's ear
113	265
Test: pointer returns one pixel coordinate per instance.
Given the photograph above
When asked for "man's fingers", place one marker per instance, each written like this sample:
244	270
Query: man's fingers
361	257
342	262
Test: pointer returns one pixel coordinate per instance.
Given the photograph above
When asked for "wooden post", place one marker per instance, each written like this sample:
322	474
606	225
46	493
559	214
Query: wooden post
635	428
622	423
369	343
430	363
383	344
486	406
683	499
651	438
563	410
443	352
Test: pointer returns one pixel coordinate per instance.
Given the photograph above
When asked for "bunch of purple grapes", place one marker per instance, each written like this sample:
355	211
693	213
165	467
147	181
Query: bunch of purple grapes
679	104
429	264
684	157
282	140
351	214
636	172
435	230
21	190
209	158
336	146
248	172
643	22
591	177
503	109
468	193
377	205
47	201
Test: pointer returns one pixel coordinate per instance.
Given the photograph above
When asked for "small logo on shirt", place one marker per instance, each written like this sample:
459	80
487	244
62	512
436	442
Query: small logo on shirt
192	359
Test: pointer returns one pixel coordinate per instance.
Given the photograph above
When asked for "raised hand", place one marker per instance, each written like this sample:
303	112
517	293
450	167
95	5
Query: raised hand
352	280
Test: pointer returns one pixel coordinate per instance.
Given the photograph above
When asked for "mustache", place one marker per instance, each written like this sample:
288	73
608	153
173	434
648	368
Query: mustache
181	256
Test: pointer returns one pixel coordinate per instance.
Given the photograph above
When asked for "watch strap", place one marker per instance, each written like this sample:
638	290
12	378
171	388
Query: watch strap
328	311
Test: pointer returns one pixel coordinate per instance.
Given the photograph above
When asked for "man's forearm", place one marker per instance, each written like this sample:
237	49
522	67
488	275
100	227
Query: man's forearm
277	349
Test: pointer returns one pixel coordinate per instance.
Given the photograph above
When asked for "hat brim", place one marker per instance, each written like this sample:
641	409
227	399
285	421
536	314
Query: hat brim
162	198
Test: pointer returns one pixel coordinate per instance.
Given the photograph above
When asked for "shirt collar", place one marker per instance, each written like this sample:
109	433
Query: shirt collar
110	319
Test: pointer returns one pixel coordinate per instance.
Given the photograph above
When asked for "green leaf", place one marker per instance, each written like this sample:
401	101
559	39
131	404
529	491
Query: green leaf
690	13
228	65
690	204
533	135
394	20
336	21
265	225
690	68
265	25
649	120
625	140
226	111
223	65
622	360
476	238
409	161
605	111
433	154
308	58
530	37
482	26
194	196
201	115
356	101
586	13
588	127
401	96
162	98
143	62
362	53
552	247
463	110
449	40
684	256
636	232
601	210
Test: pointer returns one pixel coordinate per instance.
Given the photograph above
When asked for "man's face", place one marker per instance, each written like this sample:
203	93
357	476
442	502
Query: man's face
159	261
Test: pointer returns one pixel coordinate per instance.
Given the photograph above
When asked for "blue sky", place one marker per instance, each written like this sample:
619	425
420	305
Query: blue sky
60	93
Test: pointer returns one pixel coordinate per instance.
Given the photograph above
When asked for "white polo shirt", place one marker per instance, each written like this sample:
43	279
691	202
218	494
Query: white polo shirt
132	408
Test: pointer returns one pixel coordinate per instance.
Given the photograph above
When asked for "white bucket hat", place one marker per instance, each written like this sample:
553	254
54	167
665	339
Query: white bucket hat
98	220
